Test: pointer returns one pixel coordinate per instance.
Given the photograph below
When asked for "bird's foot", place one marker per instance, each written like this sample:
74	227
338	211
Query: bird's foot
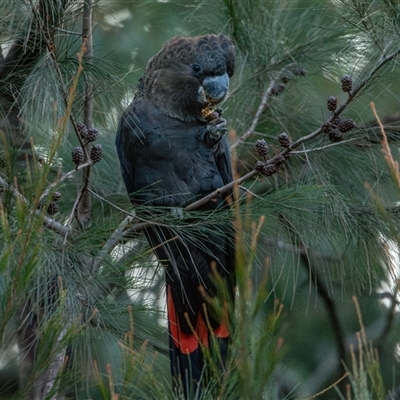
215	130
219	111
177	212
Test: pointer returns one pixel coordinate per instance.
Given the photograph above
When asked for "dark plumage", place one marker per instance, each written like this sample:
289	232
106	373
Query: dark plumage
173	150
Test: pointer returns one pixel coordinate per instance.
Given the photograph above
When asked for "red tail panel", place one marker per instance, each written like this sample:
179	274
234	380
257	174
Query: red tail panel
221	332
188	343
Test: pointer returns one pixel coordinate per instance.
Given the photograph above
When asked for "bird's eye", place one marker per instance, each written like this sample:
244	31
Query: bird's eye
196	67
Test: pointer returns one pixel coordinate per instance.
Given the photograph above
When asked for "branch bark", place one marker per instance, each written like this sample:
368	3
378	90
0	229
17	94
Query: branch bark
84	206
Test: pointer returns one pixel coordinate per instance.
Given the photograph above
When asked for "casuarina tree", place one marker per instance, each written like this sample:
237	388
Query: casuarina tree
306	212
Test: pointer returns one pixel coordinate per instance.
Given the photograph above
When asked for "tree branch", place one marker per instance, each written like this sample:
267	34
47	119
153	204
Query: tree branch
50	375
84	205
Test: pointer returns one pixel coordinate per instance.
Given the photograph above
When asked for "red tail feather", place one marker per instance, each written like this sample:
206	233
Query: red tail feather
187	343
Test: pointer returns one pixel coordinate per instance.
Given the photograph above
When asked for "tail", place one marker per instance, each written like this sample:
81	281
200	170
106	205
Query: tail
187	350
198	332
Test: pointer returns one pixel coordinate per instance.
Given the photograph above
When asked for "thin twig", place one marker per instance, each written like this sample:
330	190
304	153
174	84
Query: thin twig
67	31
9	188
47	221
325	296
327	146
62	178
78	199
128	213
84	205
87	35
260	110
389	320
330	307
344	376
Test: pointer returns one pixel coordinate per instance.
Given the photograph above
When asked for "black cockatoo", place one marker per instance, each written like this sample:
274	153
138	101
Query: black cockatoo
172	149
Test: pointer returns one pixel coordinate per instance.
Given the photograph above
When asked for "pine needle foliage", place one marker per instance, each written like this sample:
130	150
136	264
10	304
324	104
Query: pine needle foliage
81	298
